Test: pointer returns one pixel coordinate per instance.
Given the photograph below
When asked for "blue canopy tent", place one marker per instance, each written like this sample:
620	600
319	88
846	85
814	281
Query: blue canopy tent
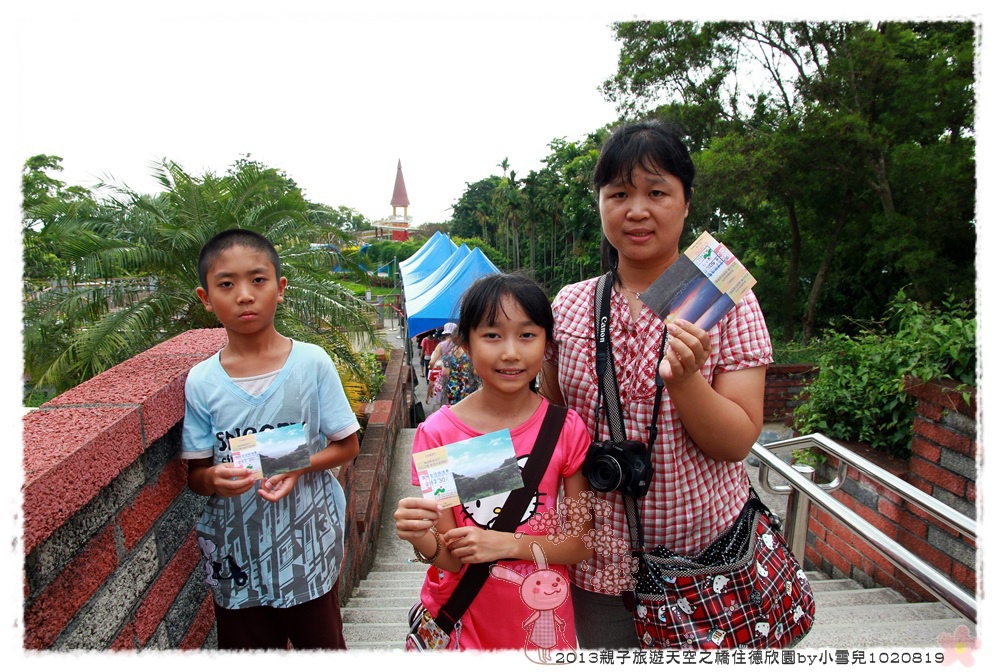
440	305
428	283
432	255
414	259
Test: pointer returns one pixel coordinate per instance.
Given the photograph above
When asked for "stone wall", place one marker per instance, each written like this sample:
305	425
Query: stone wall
111	560
783	384
943	464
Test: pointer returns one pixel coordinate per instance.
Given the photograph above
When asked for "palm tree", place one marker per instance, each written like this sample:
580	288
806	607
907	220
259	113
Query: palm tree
509	202
129	271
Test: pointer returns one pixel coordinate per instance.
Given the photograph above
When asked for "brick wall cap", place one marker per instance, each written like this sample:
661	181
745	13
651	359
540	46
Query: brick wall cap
943	393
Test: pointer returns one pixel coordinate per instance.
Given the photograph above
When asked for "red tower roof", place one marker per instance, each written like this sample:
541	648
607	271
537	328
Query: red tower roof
399	198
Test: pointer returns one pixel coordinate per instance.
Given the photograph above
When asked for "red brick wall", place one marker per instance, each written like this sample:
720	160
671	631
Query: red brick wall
943	464
111	560
783	384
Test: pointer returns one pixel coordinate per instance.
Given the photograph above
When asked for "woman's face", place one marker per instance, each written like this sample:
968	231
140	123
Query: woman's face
644	220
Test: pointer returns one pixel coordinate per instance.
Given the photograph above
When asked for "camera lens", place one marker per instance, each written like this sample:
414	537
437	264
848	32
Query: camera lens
605	473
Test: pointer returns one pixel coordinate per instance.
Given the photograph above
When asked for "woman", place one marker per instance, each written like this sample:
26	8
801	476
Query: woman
457	375
712	404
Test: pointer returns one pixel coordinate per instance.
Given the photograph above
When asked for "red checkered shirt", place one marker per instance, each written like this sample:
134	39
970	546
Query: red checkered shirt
693	497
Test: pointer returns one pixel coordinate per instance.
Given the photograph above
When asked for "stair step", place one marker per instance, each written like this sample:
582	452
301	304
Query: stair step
884	613
388	602
375	646
901	633
399	570
376	615
859	597
826	585
388	634
411	591
390	580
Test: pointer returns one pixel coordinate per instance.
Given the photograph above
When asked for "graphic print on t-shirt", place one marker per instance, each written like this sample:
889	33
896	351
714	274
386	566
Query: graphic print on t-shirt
483	512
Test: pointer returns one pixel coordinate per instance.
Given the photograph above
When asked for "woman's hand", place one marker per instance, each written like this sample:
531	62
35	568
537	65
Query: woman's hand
414	517
686	352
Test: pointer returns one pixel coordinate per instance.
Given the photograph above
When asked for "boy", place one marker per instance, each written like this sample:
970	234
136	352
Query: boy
272	547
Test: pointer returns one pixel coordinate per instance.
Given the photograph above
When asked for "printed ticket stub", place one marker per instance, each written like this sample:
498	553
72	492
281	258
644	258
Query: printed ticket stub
469	470
272	452
701	286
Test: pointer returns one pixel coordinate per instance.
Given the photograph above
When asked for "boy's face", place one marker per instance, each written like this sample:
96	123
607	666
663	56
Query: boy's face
243	290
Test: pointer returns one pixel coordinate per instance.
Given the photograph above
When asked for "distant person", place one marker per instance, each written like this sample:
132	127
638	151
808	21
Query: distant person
272	560
505	324
712	406
427	345
458	375
436	389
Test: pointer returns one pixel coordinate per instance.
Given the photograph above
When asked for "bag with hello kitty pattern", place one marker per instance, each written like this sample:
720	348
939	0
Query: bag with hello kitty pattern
746	590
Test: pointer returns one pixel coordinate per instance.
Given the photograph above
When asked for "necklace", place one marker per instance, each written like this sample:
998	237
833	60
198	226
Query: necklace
629	290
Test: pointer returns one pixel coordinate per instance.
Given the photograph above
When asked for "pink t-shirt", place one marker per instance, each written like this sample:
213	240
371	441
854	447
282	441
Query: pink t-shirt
495	618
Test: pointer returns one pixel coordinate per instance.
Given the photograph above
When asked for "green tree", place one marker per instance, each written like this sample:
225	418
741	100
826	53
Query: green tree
510	203
842	152
474	214
131	272
42	197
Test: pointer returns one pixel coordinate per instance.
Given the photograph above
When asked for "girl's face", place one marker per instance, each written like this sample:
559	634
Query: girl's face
507	355
644	220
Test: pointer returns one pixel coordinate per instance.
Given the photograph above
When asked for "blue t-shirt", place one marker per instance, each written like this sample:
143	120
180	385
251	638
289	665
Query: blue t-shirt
256	552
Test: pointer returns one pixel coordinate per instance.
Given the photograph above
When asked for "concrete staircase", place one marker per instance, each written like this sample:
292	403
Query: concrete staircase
375	617
848	616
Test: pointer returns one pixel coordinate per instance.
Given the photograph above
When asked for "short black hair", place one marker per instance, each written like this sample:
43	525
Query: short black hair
482	301
650	145
229	238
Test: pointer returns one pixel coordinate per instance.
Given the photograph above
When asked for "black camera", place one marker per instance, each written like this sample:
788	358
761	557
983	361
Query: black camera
625	466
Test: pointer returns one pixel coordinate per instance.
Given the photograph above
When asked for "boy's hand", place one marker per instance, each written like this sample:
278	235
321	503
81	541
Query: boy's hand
414	517
278	486
231	481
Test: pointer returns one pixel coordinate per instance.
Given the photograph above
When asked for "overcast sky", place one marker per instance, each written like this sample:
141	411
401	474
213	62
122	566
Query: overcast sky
335	96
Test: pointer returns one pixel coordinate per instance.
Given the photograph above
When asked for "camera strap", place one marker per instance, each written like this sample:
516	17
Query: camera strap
609	397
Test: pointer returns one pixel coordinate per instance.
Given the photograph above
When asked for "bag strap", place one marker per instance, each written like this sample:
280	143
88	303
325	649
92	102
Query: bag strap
509	517
609	398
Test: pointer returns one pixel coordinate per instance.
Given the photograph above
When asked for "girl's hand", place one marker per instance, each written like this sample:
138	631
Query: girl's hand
228	480
687	350
278	486
414	517
471	544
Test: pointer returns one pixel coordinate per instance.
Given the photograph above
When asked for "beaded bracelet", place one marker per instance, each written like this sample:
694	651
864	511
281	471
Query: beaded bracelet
437	551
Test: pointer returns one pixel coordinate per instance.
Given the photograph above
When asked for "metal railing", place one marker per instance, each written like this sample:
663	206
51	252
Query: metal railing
800	484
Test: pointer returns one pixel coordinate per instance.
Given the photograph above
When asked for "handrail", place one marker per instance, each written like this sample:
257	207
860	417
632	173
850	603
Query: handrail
941	511
932	580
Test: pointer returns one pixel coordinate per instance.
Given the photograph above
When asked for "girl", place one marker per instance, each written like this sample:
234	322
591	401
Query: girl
505	325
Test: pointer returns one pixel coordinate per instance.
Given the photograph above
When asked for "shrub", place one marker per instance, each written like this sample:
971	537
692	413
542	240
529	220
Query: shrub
859	393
